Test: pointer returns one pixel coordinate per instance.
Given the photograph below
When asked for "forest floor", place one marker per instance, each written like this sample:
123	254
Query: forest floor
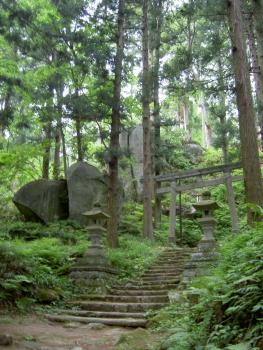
36	333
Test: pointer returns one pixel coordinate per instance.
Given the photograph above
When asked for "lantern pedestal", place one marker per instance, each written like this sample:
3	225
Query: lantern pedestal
94	270
206	255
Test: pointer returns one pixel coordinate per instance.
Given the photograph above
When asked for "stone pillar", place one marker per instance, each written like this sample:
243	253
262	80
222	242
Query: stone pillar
172	216
93	269
206	255
231	202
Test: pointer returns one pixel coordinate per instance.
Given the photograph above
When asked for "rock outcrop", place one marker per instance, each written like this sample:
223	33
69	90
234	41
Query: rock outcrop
87	188
43	200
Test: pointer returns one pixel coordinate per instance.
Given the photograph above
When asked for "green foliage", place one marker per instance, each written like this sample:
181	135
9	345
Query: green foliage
131	219
134	255
39	263
228	313
18	166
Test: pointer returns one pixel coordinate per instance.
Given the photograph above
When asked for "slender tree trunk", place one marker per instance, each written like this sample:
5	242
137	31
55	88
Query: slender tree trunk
113	199
156	110
79	135
47	149
223	110
253	54
147	166
247	126
79	139
60	126
56	166
206	130
186	119
258	15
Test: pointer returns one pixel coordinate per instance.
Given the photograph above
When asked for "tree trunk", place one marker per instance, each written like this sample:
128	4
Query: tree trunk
247	126
79	139
113	199
47	149
206	130
258	15
56	166
79	135
253	54
223	110
156	110
60	126
147	166
64	150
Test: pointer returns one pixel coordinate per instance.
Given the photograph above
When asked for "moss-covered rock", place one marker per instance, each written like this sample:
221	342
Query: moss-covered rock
47	295
139	339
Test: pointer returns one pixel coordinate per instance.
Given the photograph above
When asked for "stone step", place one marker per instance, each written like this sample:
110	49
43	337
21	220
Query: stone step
119	307
140	292
160	278
122	322
155	281
166	267
174	255
171	261
103	314
161	272
132	298
152	286
171	268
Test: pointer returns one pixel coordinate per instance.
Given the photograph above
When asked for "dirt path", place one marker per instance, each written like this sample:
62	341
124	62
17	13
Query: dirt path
34	333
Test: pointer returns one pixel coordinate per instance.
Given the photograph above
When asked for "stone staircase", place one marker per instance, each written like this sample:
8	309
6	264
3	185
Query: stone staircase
127	305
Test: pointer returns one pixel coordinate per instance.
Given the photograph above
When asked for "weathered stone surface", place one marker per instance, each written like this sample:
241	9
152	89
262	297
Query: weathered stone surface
127	304
193	151
137	340
46	295
43	200
87	188
6	339
96	326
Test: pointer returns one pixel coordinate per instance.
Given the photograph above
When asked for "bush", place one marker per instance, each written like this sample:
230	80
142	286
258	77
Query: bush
230	308
134	255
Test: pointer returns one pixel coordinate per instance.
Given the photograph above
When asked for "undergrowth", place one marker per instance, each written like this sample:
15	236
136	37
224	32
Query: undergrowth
229	311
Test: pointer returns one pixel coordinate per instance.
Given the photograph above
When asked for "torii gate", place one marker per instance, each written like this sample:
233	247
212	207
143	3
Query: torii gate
226	179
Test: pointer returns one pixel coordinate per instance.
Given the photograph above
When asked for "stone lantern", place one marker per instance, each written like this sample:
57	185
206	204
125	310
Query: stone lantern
206	254
94	268
207	222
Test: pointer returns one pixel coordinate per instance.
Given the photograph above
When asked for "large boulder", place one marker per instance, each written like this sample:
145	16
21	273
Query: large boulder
43	200
87	188
193	151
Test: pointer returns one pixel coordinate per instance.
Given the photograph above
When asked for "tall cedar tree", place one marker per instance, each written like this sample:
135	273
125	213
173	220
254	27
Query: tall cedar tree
147	166
258	17
114	135
247	126
158	18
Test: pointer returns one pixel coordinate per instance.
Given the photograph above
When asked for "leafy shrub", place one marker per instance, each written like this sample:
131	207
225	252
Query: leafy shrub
230	308
134	255
28	267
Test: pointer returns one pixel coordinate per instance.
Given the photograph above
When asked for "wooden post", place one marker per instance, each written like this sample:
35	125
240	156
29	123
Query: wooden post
231	202
172	217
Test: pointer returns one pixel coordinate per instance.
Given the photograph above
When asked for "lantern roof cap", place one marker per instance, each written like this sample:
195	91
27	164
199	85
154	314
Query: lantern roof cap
96	213
206	204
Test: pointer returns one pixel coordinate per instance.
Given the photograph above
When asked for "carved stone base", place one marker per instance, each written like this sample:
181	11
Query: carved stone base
93	269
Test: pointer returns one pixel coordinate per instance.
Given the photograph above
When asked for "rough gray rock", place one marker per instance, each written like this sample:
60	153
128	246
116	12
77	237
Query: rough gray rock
87	188
43	200
194	151
6	340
